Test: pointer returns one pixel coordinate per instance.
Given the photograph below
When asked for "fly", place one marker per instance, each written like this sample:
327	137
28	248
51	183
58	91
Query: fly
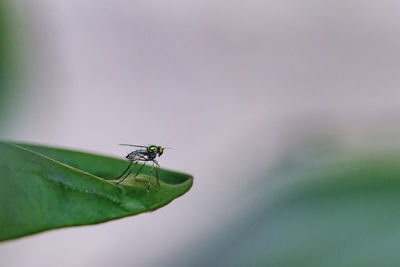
143	154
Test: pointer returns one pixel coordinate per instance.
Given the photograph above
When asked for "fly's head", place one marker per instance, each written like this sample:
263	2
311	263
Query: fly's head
160	150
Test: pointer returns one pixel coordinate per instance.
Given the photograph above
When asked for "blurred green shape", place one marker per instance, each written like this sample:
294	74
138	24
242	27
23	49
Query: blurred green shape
326	211
10	60
43	188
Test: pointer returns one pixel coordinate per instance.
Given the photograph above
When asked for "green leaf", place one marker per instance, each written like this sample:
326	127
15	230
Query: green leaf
43	188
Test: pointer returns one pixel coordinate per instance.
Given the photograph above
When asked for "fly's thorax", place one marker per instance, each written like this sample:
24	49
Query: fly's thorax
152	156
158	150
154	151
152	148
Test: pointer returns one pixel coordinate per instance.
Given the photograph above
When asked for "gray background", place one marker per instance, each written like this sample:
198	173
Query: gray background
232	84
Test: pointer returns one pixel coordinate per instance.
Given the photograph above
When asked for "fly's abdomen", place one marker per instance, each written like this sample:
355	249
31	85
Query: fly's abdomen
132	156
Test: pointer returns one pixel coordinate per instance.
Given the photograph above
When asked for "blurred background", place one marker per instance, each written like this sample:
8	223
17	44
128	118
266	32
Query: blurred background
233	85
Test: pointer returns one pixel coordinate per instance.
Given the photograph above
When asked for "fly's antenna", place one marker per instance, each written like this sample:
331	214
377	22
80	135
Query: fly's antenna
169	142
172	148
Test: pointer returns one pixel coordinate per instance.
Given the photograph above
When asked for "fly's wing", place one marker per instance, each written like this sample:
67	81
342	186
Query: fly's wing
140	155
132	145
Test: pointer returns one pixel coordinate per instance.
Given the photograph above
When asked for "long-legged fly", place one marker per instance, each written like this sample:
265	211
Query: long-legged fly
144	154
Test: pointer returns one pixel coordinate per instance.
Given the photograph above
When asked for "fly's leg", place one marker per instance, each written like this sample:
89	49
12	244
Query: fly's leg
128	172
157	169
124	171
151	173
140	169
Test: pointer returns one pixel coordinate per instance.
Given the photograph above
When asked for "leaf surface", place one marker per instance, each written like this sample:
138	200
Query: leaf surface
43	188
